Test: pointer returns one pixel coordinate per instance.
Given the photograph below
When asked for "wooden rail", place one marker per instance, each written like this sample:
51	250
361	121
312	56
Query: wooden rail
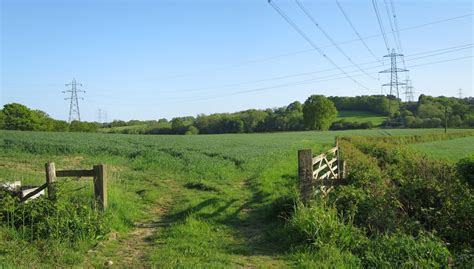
98	173
319	172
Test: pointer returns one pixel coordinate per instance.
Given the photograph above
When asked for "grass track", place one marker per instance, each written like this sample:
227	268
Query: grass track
212	200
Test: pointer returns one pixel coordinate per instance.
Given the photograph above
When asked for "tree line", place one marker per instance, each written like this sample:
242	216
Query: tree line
16	116
316	113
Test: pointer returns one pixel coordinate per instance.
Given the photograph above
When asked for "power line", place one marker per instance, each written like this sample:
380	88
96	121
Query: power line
313	20
395	21
296	83
291	23
328	77
389	15
379	19
327	46
356	32
74	113
400	47
297	52
311	81
431	54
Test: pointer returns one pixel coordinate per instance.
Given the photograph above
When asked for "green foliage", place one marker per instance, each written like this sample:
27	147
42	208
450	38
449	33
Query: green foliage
321	226
68	220
413	195
219	201
192	131
465	169
318	113
343	125
82	126
17	117
2	120
377	104
399	250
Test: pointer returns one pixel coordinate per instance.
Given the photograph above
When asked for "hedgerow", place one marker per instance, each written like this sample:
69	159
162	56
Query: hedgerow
399	208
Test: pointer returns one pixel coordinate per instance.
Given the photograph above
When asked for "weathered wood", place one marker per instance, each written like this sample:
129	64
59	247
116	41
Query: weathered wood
33	193
75	173
319	164
321	156
331	170
344	169
50	170
318	158
100	185
333	150
325	175
333	160
328	173
321	168
305	174
338	157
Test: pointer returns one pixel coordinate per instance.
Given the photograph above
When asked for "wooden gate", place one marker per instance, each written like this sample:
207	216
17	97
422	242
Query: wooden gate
319	173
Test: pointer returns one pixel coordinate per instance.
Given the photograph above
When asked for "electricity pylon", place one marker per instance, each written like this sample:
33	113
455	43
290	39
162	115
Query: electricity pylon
408	91
394	83
74	113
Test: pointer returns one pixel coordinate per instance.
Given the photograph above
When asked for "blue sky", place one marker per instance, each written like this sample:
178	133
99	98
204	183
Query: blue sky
155	59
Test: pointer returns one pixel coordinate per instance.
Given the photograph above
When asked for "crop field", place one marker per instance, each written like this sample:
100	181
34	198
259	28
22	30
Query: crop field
178	201
360	116
453	149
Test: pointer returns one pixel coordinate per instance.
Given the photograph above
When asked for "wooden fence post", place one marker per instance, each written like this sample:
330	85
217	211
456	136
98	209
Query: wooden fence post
344	169
305	174
100	185
338	156
50	179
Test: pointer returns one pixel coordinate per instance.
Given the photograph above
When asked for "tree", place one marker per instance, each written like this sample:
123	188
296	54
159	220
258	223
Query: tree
192	131
17	117
178	126
295	107
318	113
82	126
2	120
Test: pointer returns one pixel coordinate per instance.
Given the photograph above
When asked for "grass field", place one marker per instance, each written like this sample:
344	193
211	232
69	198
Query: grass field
177	201
454	149
360	116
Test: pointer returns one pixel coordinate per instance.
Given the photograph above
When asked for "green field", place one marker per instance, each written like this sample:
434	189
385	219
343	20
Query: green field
453	149
178	201
360	116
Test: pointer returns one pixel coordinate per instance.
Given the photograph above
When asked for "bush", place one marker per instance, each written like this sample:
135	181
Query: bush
399	250
343	125
192	131
465	169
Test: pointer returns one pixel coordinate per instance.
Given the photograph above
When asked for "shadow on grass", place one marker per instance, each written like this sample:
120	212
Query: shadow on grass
259	220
